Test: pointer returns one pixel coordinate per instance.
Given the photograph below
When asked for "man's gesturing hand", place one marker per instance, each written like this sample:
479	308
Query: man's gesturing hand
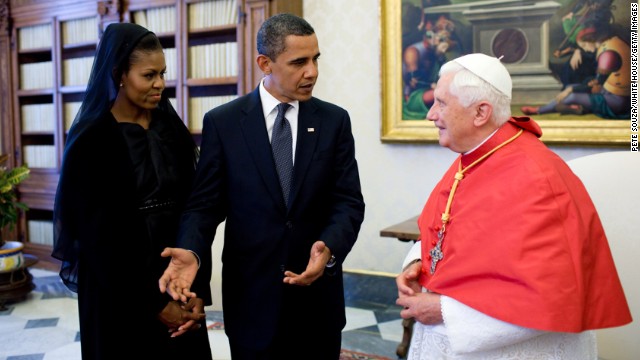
320	255
180	273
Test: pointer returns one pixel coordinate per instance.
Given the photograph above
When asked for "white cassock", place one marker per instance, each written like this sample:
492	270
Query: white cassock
467	334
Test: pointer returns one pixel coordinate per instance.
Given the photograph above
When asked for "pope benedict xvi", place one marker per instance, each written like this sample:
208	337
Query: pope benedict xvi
513	261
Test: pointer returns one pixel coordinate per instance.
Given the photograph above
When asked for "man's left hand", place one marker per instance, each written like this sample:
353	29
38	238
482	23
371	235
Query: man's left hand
424	307
320	255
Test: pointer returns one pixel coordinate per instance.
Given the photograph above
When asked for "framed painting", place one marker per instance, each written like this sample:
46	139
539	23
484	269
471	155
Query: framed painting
539	42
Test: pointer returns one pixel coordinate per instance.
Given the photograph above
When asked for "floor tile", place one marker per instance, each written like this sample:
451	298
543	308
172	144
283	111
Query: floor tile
45	325
39	323
359	318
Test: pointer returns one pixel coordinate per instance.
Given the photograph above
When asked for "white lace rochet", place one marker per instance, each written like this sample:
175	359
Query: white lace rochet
470	335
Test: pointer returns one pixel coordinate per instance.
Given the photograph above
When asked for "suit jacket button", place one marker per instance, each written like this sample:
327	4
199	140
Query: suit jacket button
281	268
290	224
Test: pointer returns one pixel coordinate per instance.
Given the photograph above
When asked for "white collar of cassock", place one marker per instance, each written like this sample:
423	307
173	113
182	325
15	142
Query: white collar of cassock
483	141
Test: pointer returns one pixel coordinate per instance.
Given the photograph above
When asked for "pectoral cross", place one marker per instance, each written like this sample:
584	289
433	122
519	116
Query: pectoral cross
436	252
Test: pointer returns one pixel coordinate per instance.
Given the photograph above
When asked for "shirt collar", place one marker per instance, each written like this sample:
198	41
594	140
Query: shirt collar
269	102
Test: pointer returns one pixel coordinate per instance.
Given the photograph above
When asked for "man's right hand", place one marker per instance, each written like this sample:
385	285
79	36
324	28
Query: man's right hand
424	307
179	275
407	281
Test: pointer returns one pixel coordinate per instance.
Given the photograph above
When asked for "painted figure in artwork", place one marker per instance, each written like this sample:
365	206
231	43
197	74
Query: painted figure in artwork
422	59
578	64
606	93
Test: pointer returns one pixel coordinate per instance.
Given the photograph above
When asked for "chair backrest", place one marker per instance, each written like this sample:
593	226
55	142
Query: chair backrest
613	182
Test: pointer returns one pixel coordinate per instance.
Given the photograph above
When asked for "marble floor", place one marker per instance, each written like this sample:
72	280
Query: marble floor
45	325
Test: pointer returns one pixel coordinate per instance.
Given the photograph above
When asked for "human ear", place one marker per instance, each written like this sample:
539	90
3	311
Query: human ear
483	113
264	63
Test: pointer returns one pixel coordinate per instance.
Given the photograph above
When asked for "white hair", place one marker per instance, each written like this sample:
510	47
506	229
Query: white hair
470	88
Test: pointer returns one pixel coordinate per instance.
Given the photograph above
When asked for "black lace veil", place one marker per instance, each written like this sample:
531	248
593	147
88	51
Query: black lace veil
117	43
111	60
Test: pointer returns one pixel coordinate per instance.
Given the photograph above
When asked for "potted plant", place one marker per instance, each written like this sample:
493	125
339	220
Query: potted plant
10	251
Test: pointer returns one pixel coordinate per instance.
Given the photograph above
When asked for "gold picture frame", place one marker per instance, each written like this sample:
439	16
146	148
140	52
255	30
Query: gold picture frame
565	129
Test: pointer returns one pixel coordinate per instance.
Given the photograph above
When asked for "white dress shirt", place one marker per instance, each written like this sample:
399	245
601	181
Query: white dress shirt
270	111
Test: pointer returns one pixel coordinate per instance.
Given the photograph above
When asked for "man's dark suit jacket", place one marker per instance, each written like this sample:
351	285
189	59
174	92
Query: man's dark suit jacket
236	181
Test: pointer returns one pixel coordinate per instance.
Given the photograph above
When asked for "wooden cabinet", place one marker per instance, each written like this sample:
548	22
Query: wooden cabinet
46	53
51	47
255	12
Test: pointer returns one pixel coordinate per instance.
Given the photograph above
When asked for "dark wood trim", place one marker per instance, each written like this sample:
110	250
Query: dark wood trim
403	231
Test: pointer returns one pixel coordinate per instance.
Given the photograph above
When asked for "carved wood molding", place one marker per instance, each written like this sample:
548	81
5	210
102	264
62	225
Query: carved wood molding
25	2
5	20
109	7
6	115
109	11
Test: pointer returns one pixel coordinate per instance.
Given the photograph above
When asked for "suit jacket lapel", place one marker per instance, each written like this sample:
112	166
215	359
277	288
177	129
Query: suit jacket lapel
257	141
308	133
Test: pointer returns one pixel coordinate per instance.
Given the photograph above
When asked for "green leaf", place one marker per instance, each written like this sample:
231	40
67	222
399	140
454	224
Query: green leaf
17	175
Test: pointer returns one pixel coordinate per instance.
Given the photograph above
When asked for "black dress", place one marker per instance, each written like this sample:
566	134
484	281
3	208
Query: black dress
120	195
120	192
